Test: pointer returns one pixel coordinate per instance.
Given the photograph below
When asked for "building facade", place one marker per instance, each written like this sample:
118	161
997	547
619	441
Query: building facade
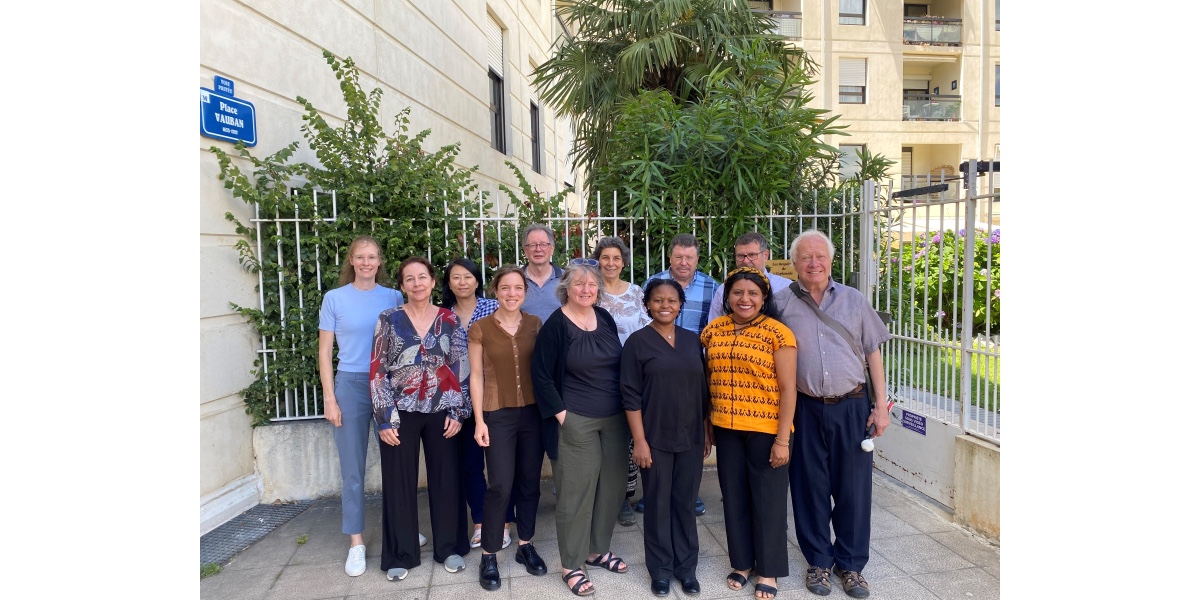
917	81
463	69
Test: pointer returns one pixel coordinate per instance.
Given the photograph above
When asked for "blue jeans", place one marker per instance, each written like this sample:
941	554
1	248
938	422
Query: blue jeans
354	400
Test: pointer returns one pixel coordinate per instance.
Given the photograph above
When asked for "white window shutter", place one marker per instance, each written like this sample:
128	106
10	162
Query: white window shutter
495	45
852	71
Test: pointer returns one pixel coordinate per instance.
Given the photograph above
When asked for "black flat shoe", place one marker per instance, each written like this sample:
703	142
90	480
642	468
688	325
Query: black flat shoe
660	587
690	586
527	555
489	573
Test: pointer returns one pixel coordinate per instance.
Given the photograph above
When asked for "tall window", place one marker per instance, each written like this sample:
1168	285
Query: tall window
497	108
852	81
535	136
997	85
850	164
852	12
495	56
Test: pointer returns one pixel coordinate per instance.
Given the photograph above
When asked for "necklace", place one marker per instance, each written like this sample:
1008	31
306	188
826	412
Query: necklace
421	322
506	326
667	336
586	320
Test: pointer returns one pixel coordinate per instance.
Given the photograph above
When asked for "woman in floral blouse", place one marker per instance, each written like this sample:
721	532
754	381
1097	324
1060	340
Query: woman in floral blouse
418	358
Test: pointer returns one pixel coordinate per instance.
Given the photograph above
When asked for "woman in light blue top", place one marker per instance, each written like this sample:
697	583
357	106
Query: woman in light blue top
348	316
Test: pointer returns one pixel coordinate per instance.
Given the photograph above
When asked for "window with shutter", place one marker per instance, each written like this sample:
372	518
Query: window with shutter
852	81
495	58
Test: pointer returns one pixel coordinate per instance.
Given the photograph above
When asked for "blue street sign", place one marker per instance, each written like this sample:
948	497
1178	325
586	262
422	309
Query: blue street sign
222	85
227	118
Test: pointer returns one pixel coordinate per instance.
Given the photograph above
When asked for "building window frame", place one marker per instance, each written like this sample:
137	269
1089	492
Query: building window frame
497	109
858	16
535	137
997	84
849	156
851	91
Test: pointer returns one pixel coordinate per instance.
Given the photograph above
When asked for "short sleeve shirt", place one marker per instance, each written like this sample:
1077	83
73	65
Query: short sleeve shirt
742	379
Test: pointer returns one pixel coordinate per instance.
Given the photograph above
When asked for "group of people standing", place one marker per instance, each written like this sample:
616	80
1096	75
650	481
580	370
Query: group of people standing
610	380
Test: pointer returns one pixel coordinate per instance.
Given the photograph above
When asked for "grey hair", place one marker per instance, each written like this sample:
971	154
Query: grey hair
752	237
612	242
807	233
570	272
530	228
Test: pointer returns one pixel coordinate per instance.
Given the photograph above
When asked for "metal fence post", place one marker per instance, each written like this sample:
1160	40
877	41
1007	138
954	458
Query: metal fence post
968	289
866	274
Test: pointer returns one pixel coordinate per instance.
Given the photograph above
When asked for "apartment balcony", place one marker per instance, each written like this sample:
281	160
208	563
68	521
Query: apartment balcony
932	31
787	24
931	107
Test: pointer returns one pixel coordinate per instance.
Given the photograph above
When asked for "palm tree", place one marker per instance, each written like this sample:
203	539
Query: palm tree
623	46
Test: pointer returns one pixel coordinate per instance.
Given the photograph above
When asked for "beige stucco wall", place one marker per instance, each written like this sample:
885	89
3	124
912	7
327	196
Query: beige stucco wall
977	486
425	55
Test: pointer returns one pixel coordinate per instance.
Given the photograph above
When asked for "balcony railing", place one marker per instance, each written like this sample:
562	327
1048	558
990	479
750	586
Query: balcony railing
928	107
934	31
787	24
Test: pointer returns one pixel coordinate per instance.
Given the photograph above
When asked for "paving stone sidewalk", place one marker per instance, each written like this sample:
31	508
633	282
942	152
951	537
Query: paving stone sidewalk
917	553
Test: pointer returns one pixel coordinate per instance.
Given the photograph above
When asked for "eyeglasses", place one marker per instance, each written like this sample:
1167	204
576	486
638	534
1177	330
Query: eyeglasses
537	246
749	256
585	261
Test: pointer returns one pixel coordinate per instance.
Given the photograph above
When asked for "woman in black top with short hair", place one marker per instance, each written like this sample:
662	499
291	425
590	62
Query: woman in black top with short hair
665	394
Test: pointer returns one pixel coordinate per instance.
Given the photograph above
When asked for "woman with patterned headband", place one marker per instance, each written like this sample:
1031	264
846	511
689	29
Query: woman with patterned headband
752	381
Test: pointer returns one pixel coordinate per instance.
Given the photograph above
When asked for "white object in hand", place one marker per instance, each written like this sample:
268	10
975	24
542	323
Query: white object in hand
868	445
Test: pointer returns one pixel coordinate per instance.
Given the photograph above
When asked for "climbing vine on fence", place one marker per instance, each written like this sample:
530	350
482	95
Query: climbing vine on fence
383	184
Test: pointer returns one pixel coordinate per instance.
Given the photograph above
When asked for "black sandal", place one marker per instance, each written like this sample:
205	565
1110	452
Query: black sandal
737	578
612	563
765	589
578	584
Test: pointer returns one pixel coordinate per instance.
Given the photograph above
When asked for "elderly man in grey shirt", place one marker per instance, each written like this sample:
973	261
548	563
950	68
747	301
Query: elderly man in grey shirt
833	415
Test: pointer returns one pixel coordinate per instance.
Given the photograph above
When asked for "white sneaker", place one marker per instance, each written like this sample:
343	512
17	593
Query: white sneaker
477	539
421	539
507	539
356	562
455	563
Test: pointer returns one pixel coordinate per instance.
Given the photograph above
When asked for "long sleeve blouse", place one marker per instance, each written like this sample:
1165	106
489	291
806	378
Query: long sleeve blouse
668	385
415	374
549	371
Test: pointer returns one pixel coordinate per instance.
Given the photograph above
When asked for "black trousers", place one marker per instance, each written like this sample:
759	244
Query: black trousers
833	467
671	484
400	468
514	466
755	501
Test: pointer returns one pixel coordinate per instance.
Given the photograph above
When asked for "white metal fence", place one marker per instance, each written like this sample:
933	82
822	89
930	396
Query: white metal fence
939	280
933	328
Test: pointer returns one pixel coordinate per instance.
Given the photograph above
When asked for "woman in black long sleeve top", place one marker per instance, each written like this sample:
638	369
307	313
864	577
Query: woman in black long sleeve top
665	394
576	376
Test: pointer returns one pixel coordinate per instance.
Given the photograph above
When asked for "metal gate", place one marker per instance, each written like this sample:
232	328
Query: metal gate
938	278
907	252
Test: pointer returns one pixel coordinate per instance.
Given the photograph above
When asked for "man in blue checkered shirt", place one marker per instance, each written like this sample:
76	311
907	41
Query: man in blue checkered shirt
698	287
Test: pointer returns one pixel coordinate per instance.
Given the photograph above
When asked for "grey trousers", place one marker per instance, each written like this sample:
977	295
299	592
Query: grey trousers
590	476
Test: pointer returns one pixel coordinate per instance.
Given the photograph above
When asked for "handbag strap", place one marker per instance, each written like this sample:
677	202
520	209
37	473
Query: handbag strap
826	319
